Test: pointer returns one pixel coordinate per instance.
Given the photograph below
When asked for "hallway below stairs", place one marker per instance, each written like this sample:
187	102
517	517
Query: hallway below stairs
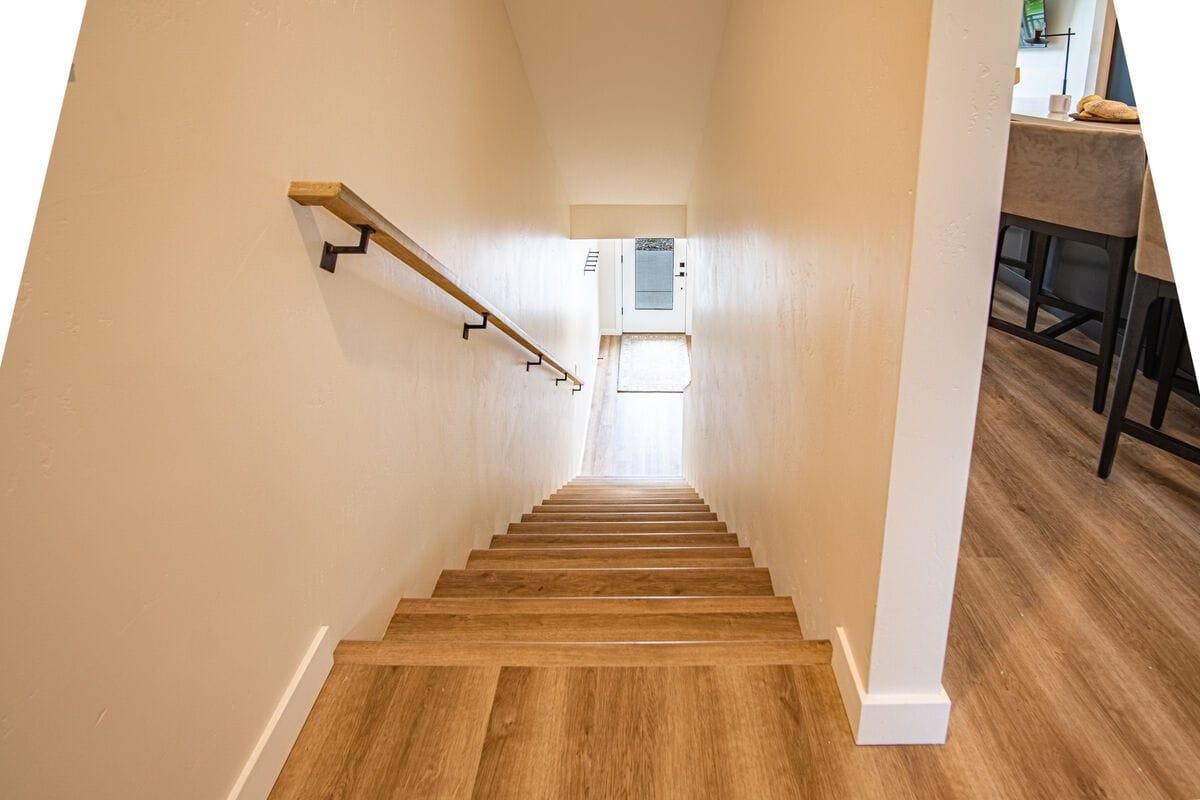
631	433
614	643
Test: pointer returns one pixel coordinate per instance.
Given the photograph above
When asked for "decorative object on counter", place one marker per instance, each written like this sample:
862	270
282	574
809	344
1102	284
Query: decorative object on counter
1039	39
1095	108
1060	103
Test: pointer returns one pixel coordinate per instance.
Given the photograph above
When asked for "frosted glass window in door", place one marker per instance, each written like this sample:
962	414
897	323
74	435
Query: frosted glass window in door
654	274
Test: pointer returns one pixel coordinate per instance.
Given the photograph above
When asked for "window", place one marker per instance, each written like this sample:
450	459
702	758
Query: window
654	274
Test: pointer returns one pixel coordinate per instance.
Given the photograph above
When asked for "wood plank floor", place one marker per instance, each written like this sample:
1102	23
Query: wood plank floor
631	433
1073	660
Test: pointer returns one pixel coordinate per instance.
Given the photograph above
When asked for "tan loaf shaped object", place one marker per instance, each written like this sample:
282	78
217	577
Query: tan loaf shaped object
1086	100
1110	109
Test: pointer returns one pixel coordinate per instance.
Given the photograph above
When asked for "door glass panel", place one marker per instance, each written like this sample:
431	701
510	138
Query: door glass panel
654	274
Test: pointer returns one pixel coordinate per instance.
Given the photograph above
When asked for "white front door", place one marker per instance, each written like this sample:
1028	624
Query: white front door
653	285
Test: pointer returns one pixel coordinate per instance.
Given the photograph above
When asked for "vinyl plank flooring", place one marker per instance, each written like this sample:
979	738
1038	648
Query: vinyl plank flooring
597	654
637	434
694	581
682	732
584	627
381	731
687	526
609	557
1072	660
515	540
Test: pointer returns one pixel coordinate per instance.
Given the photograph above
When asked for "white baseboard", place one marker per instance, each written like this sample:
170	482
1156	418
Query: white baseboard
273	747
610	332
887	718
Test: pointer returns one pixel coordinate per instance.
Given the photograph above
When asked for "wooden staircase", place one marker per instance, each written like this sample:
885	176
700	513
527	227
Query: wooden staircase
605	579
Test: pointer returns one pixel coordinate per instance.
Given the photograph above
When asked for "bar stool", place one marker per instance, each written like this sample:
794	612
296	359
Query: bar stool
1153	284
1079	182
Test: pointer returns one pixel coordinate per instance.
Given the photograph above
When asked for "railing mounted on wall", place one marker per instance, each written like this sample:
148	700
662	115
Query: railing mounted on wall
374	227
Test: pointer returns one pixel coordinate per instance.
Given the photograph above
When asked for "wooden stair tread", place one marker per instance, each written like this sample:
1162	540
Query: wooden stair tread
738	604
598	557
584	654
661	582
626	491
620	487
628	480
607	572
583	627
621	516
687	526
613	500
620	508
703	539
628	497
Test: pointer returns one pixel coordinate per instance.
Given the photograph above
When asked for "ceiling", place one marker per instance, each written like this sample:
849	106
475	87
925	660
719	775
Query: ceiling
623	87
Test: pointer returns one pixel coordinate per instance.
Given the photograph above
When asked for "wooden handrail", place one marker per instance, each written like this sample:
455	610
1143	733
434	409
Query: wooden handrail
351	209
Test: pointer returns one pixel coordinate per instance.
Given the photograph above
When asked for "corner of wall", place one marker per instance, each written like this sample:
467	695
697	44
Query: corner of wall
877	718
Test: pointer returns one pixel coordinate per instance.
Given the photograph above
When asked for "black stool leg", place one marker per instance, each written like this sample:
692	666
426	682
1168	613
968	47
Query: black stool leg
1037	276
1118	261
1169	364
1154	332
1145	293
996	265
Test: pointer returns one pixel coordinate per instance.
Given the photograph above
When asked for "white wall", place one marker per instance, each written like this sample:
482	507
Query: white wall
964	135
608	286
816	243
211	447
622	86
1042	67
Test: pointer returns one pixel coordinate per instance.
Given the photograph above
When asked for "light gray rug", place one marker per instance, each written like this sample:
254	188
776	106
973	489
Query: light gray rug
653	362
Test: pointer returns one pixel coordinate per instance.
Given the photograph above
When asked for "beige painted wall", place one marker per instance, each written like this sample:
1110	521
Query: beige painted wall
800	232
623	88
628	222
210	446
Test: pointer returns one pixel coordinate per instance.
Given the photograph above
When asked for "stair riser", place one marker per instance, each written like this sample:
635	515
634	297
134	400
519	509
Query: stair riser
659	516
571	654
523	540
592	627
526	606
616	527
627	494
610	558
629	487
602	488
698	582
615	508
622	501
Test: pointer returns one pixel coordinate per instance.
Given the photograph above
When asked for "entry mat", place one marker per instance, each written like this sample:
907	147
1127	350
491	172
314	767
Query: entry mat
653	362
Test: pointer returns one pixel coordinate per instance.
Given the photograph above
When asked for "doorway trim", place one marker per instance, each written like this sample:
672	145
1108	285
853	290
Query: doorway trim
681	292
